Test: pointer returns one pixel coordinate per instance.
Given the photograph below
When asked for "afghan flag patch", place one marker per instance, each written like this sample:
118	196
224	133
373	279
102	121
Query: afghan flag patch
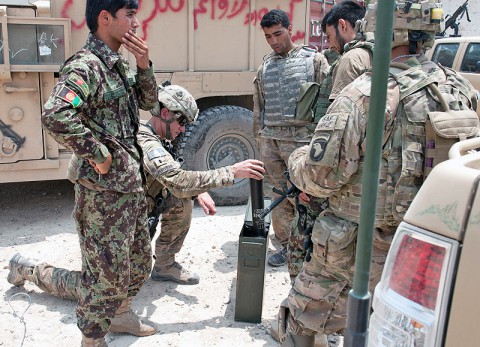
69	96
79	84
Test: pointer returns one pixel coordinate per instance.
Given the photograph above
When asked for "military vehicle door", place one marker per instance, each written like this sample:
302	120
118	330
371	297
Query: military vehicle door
30	47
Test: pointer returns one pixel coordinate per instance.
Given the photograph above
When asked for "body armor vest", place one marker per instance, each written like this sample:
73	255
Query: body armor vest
282	78
402	165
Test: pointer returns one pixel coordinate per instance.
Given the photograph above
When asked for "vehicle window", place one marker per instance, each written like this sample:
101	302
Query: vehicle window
445	53
36	44
471	61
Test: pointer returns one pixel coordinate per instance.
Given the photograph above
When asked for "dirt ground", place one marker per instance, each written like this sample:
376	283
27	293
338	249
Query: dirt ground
36	221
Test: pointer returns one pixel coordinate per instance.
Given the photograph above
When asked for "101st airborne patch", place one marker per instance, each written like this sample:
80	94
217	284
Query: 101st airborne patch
319	146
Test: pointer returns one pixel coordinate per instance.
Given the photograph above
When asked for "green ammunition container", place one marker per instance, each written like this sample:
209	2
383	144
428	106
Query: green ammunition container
252	254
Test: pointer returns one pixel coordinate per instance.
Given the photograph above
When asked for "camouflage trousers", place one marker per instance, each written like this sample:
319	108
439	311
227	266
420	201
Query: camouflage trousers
59	282
275	153
116	254
174	223
318	299
305	216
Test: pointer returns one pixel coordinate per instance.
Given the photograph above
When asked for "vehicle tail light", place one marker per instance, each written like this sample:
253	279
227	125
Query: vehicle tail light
409	302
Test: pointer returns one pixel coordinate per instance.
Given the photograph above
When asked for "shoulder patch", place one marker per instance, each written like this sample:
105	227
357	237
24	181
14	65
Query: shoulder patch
79	84
156	153
319	146
69	96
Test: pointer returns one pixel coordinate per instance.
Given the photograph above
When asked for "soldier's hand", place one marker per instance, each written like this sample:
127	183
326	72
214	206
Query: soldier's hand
207	204
304	197
250	168
104	167
138	48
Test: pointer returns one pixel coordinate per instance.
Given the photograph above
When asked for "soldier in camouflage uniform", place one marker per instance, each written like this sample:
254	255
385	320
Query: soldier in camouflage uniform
341	28
165	179
94	111
332	166
176	187
348	63
276	130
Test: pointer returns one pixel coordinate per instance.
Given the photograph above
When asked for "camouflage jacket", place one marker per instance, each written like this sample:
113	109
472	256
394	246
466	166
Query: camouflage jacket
94	111
321	68
356	59
332	165
164	172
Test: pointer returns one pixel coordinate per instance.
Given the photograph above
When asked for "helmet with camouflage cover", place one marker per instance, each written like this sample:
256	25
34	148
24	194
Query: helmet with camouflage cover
176	99
415	21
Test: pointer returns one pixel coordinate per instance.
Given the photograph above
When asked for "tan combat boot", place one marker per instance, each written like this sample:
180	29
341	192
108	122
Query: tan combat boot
126	321
21	269
167	269
91	342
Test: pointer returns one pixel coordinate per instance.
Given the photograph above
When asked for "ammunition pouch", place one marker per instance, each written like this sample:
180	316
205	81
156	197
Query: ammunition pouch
306	101
442	130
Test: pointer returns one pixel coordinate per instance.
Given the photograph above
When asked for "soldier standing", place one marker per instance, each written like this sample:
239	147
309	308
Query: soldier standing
93	111
332	166
341	29
276	130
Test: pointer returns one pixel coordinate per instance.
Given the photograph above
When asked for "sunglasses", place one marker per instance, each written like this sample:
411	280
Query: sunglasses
181	119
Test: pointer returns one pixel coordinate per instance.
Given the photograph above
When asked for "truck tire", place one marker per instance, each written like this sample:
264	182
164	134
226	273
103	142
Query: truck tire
221	136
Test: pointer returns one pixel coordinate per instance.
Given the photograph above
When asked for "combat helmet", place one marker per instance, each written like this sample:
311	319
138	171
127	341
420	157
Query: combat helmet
415	21
176	99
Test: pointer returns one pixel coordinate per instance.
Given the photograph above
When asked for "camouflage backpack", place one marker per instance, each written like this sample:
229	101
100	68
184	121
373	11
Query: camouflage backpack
438	111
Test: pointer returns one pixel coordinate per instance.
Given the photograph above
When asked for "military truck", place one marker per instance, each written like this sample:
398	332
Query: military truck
428	292
210	47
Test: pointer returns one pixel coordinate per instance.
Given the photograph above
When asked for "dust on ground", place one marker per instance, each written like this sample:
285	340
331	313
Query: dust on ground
36	221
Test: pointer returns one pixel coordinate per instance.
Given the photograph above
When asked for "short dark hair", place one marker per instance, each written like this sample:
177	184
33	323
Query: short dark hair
347	10
94	7
274	17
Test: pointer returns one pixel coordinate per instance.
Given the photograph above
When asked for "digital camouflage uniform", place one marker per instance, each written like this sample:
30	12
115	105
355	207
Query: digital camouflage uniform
275	128
93	111
163	172
165	177
332	166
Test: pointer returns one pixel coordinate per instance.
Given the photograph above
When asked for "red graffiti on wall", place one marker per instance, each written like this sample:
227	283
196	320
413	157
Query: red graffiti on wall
215	9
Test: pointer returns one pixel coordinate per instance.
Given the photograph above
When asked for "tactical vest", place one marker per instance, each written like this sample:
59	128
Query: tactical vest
320	102
421	105
282	78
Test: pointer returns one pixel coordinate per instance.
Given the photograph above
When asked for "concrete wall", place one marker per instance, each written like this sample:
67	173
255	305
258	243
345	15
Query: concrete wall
466	28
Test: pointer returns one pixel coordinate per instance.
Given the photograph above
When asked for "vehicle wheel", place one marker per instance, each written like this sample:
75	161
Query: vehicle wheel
221	136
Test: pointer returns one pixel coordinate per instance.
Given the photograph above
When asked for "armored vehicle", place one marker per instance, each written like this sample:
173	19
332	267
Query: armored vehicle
212	48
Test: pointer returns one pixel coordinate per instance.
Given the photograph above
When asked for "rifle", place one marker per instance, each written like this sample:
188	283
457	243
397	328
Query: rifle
452	21
154	216
161	198
293	191
10	141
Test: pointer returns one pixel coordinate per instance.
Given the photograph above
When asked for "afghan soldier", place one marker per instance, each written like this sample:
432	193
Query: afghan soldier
165	180
331	166
276	129
94	111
